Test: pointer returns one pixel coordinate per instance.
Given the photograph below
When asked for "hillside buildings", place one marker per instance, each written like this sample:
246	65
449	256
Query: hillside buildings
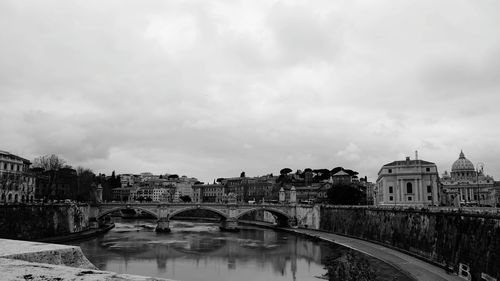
149	187
407	183
17	183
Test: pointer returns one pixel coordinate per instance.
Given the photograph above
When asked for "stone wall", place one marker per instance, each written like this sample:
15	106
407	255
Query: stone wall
443	237
31	222
308	216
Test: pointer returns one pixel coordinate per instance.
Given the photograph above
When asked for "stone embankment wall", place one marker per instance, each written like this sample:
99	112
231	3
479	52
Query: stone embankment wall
31	222
443	237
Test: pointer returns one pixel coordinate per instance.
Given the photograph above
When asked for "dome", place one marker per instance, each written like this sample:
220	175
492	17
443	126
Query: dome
462	164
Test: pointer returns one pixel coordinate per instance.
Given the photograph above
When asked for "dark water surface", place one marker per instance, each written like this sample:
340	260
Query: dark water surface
197	251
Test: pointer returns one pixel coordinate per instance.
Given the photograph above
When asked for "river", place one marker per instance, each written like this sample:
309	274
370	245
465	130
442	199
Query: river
199	251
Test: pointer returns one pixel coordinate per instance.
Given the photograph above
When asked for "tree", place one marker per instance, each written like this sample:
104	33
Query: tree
351	172
173	177
321	174
285	171
345	195
84	182
185	198
114	181
49	162
336	170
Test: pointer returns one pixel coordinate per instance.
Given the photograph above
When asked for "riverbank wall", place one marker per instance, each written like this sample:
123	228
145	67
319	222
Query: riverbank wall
34	222
23	260
467	243
463	241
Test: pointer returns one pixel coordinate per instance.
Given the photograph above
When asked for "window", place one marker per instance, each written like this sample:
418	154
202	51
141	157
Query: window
389	171
409	188
429	189
410	198
429	198
390	189
391	198
427	169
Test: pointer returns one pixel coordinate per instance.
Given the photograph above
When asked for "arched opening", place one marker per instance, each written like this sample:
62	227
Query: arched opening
194	213
23	199
267	216
3	197
9	198
16	198
31	198
409	187
118	212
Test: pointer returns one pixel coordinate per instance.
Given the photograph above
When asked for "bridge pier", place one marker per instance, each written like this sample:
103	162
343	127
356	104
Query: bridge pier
283	222
230	225
163	225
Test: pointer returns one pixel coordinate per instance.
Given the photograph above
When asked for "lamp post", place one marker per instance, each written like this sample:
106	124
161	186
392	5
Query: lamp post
479	167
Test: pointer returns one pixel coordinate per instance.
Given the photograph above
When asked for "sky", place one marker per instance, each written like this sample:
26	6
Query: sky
209	89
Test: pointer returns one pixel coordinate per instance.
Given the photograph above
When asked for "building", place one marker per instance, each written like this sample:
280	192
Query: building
467	185
260	188
341	178
369	188
56	184
314	193
407	183
151	193
208	193
237	186
17	183
121	194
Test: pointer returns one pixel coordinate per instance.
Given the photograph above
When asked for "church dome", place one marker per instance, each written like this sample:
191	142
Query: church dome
462	164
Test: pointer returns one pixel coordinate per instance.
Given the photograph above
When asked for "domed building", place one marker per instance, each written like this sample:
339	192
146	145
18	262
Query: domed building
467	185
462	168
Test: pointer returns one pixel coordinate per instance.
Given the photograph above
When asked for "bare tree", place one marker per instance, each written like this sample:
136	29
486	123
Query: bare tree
49	162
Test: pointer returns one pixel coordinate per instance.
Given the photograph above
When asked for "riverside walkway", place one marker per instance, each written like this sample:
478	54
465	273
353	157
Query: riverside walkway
418	269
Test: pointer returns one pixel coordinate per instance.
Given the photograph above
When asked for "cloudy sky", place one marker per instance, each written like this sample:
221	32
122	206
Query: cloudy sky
212	88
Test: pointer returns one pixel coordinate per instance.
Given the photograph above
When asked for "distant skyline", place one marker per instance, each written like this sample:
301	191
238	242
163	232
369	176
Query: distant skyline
212	88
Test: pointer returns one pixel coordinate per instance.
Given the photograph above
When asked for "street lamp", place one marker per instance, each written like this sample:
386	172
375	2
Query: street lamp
479	167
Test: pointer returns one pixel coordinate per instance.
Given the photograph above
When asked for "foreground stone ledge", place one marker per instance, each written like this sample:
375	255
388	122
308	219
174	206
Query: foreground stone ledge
44	253
18	270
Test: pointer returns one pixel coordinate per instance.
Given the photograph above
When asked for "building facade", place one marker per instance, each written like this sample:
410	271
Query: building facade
407	183
152	193
468	185
208	193
56	184
17	183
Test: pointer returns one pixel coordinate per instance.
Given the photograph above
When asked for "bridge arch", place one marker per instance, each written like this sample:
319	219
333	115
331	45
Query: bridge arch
282	217
213	210
112	210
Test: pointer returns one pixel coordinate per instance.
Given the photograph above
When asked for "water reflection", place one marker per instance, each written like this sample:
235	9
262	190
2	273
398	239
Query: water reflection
199	251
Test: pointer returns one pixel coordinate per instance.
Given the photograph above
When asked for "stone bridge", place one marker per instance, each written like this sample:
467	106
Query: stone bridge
285	214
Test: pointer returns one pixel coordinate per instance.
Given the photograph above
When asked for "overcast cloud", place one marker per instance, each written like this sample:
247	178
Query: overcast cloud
212	88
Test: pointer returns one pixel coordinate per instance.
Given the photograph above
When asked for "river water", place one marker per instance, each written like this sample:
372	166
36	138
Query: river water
199	251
